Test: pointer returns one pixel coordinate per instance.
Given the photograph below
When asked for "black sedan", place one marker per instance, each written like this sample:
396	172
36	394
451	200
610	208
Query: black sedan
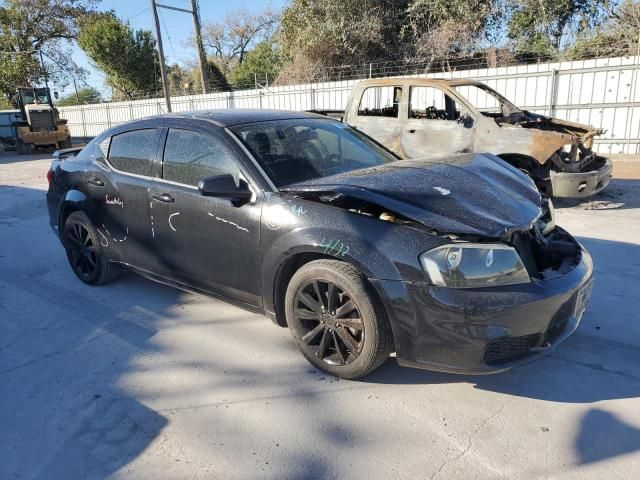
453	264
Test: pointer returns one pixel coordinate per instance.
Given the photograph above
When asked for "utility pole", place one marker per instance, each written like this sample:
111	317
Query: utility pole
204	70
163	67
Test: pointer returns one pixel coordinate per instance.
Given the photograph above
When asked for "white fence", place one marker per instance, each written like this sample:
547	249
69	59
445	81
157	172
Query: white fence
601	92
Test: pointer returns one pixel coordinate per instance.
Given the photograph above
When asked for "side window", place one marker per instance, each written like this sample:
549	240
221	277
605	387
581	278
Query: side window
134	151
430	103
191	156
380	102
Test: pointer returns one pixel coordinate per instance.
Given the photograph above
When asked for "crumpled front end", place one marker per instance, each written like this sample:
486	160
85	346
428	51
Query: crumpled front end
488	330
583	183
569	166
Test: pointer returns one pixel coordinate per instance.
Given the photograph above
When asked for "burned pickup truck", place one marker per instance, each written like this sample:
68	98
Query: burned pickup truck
418	118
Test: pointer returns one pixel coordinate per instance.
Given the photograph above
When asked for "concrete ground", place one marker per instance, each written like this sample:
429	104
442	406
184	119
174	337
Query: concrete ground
135	380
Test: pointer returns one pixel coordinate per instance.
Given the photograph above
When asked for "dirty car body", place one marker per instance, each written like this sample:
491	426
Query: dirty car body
461	255
416	118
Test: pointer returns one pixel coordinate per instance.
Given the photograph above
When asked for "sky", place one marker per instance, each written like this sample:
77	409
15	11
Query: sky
176	27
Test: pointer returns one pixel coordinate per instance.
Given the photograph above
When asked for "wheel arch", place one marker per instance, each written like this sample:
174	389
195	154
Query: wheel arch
520	160
291	265
73	201
532	167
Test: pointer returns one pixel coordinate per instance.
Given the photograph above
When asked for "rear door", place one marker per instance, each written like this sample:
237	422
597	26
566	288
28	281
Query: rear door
206	242
380	113
119	188
437	124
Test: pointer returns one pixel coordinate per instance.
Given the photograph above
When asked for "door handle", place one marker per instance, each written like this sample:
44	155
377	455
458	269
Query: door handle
96	181
164	197
412	130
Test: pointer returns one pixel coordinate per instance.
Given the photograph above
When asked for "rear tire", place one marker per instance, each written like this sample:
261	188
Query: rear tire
336	320
84	252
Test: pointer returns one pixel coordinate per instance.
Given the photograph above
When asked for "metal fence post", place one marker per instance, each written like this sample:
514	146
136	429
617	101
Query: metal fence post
108	116
553	93
84	125
630	115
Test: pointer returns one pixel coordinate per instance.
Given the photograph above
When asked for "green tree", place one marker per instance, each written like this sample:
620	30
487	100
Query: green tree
336	32
263	61
126	56
85	95
441	29
616	37
540	26
27	26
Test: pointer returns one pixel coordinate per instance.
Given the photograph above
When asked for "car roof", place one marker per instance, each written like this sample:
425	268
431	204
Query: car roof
238	116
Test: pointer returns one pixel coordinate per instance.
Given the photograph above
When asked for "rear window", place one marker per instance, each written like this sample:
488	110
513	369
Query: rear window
133	152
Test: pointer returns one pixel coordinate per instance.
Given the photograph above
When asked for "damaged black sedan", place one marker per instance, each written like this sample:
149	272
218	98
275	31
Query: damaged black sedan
455	266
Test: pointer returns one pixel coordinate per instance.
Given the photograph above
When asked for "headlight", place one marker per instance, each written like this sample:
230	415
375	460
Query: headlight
474	265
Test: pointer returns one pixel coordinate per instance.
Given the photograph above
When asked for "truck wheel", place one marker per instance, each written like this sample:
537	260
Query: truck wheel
84	252
66	143
20	146
337	323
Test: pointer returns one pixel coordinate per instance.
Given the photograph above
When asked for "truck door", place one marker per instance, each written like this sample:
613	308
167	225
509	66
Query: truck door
380	113
436	125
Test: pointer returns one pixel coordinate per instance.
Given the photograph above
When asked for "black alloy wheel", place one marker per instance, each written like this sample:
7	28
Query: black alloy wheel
333	326
336	320
84	252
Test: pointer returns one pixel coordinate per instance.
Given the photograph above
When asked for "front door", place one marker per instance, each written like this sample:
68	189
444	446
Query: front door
436	125
206	242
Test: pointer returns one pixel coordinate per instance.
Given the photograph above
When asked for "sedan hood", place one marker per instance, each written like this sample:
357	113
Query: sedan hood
471	194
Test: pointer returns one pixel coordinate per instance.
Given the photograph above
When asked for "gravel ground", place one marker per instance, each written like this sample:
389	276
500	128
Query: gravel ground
138	380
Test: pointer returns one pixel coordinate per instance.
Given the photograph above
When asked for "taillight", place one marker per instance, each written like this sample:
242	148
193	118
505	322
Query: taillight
50	176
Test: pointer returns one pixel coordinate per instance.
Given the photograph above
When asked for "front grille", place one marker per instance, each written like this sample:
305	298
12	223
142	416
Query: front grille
508	348
41	121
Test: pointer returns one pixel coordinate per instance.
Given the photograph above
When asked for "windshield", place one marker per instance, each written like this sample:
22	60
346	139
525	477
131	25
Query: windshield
292	151
34	95
487	100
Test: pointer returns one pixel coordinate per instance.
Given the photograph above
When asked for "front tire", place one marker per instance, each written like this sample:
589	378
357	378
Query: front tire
84	252
336	321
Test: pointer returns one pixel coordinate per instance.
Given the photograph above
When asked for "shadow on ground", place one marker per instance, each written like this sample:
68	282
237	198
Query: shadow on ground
73	420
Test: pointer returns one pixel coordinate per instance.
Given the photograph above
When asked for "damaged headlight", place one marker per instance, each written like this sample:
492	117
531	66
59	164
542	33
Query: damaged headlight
474	265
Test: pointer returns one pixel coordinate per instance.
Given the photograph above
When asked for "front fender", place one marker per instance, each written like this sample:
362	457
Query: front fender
380	250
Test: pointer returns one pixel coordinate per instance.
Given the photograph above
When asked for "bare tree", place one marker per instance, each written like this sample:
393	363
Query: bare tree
229	41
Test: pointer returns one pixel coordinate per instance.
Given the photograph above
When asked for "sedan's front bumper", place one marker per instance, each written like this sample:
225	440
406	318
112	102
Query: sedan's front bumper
581	184
484	330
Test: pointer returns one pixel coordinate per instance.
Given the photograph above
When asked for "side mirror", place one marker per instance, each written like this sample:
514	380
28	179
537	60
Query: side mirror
465	120
224	186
